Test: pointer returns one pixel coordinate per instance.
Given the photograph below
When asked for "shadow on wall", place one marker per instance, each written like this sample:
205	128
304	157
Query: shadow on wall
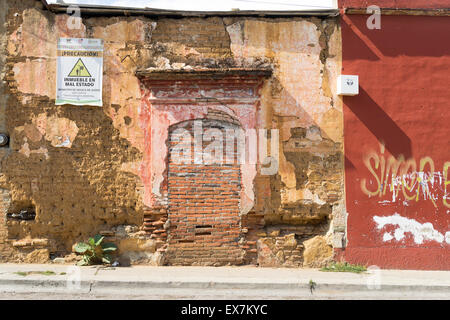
413	37
380	124
301	150
70	189
349	164
427	36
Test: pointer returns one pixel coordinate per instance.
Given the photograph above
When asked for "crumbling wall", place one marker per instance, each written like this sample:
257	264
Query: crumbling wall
300	100
71	165
81	169
5	198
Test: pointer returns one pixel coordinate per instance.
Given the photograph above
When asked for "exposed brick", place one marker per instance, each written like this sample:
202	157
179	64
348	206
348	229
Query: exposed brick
204	207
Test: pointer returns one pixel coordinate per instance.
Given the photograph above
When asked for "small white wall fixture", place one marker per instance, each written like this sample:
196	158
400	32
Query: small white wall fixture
347	85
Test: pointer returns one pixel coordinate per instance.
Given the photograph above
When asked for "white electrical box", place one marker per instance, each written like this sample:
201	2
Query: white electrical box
347	85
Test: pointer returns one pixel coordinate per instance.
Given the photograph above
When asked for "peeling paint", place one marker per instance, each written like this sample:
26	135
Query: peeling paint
25	150
60	132
299	100
420	231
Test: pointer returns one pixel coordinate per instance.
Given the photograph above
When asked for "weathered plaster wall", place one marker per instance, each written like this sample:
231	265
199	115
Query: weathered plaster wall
4	194
300	101
84	169
72	165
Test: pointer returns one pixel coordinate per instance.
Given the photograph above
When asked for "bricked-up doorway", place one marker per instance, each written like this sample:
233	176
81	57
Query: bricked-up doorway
187	231
203	198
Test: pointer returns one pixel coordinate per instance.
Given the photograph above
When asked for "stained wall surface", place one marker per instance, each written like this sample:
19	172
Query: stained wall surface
85	170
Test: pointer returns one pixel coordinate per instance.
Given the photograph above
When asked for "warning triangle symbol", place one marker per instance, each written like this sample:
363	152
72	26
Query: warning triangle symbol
79	70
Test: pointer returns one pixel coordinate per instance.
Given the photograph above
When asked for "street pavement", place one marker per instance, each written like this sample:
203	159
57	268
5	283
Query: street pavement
55	281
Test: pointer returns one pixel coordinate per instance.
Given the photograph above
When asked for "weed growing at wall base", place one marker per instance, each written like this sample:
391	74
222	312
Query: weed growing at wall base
344	267
94	251
26	273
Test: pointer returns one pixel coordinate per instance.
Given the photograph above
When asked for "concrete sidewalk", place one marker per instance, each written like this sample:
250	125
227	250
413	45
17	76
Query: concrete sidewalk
146	282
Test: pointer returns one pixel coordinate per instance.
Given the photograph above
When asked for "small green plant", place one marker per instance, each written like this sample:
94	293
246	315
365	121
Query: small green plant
95	251
48	273
45	273
344	267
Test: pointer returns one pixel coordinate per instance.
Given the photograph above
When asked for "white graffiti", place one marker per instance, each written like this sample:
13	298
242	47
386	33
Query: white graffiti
420	232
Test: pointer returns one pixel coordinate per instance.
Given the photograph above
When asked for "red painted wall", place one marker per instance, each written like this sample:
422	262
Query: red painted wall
411	4
404	78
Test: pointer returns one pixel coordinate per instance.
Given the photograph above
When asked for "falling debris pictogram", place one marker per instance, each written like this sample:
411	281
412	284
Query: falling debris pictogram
79	70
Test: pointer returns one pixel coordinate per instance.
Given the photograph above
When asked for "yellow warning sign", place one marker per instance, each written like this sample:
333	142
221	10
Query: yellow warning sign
79	70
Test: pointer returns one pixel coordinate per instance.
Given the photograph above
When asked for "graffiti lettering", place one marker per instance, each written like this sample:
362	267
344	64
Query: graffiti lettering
395	174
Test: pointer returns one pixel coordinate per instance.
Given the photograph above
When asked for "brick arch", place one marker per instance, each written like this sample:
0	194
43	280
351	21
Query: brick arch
217	114
203	195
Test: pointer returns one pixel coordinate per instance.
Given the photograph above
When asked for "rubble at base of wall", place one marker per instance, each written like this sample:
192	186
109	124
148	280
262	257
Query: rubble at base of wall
134	246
